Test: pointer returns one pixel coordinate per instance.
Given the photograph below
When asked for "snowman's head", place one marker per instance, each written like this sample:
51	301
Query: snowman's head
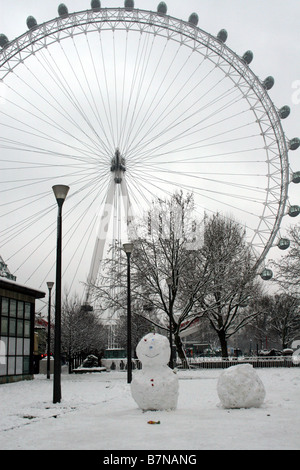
153	350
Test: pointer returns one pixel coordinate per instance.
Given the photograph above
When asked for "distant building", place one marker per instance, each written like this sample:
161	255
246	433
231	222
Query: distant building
4	271
17	310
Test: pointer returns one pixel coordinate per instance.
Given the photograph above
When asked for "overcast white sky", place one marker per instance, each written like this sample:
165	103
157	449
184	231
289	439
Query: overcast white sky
270	28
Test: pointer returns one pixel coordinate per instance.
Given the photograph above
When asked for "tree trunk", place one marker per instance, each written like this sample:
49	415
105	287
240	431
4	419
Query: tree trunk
180	351
223	343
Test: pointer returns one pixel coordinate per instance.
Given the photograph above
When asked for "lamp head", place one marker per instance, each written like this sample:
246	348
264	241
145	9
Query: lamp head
60	192
50	284
128	247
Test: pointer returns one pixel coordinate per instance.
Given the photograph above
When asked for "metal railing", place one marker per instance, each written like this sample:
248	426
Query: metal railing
255	361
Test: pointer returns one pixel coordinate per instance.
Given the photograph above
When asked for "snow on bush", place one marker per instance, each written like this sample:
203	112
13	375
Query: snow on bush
240	387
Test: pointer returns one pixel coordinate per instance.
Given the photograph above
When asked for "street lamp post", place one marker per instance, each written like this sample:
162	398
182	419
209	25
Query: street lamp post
169	282
50	285
128	247
60	192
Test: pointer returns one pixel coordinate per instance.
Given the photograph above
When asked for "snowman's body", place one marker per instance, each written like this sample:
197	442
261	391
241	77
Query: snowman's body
155	387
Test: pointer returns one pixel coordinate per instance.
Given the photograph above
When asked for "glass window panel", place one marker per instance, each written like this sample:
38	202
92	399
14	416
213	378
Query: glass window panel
26	365
4	341
12	327
11	365
27	329
2	369
12	346
3	355
20	309
20	346
20	327
4	306
4	325
13	308
27	310
19	365
26	347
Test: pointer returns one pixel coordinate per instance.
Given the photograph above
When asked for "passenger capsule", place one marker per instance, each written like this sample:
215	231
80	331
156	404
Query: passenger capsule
62	10
194	19
294	211
3	40
283	244
294	143
266	274
162	8
268	83
129	4
284	112
296	177
222	35
248	57
95	5
31	22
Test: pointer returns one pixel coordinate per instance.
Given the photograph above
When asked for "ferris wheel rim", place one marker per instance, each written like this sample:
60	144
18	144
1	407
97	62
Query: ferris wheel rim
18	50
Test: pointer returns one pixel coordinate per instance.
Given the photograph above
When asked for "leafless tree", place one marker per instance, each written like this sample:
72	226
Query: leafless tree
287	269
81	330
233	283
165	264
285	317
278	319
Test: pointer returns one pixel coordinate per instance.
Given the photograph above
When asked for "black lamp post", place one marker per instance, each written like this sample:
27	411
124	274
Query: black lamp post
128	247
60	192
50	285
169	282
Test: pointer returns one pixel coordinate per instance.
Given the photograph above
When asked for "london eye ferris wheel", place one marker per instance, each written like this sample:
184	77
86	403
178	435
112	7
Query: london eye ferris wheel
125	105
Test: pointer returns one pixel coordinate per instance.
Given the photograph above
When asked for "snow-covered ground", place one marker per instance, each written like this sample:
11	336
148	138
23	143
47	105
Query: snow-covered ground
98	412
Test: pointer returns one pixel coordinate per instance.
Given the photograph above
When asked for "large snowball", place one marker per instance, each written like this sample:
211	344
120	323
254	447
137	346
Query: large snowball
240	387
155	387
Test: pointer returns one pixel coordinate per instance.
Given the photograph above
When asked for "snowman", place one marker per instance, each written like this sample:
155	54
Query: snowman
155	387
